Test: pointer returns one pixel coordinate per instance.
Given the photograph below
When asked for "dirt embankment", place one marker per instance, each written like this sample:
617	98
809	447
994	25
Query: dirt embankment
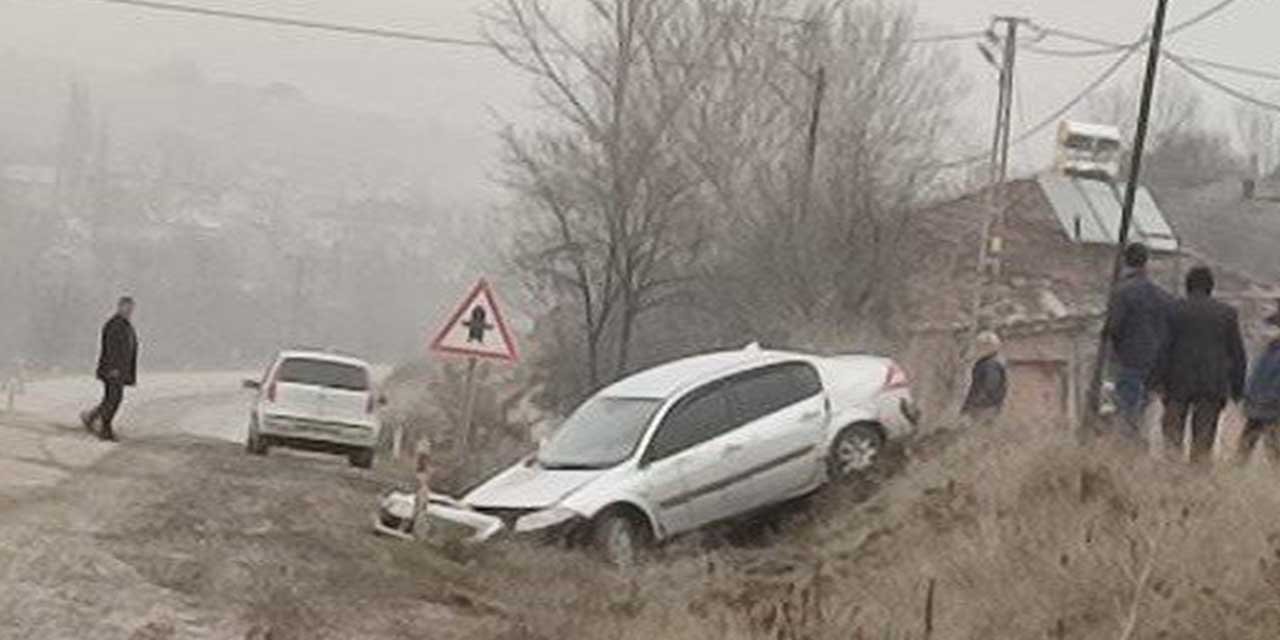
188	539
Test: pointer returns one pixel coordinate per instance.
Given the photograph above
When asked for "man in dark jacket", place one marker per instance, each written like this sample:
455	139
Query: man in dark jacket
988	384
1202	366
117	368
1136	328
1262	399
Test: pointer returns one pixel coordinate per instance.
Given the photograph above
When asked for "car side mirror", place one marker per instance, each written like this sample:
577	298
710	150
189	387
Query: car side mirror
251	384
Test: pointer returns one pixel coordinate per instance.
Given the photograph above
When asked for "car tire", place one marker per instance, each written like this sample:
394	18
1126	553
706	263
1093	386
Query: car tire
620	539
361	458
855	451
255	444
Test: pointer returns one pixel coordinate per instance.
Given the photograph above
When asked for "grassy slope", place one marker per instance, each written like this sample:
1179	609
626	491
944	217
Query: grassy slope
1024	533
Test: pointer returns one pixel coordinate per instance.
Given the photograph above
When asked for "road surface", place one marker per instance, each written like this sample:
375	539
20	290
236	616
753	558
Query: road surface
176	533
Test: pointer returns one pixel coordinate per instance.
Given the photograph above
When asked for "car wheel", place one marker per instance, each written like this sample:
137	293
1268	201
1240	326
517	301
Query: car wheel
362	458
255	443
854	451
620	540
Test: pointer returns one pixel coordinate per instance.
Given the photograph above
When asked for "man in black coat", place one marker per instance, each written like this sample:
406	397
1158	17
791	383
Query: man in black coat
117	368
1202	366
1136	329
989	383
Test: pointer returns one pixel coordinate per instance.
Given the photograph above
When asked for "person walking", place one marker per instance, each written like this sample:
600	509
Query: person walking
1202	366
117	368
989	382
1262	399
1136	329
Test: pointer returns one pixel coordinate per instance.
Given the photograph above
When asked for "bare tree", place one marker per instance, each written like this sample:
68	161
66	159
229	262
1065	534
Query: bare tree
1176	109
821	249
1259	131
1183	150
606	202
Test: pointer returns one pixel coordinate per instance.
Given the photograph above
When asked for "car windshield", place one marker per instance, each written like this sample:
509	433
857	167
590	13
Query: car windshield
600	434
323	373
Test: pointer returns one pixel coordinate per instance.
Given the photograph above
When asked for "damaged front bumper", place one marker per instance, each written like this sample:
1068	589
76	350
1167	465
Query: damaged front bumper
447	518
450	519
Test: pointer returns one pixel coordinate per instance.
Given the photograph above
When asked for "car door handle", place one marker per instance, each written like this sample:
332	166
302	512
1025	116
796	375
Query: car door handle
812	415
732	448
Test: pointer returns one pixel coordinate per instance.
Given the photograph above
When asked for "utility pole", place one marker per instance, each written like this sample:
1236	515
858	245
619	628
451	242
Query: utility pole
1010	58
1130	195
1001	141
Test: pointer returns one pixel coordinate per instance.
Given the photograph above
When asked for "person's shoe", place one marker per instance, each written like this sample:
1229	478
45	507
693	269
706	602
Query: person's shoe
86	419
108	435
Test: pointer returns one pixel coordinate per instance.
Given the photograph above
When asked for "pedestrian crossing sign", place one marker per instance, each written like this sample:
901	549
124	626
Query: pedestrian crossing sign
477	328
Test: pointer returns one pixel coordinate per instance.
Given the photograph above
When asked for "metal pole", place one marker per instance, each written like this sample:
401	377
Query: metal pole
1130	195
468	406
1010	57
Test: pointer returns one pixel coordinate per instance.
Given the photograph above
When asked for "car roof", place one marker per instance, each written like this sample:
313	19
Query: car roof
666	380
327	356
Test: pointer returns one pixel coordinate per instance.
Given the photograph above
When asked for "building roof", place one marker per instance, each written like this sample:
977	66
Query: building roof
1090	211
29	174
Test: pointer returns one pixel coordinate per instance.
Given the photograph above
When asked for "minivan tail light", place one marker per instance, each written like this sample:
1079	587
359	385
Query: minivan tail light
371	404
271	390
896	377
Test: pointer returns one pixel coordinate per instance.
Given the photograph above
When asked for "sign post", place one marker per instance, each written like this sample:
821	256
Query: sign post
476	330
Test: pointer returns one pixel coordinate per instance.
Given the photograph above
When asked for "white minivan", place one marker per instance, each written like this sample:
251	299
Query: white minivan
316	401
699	440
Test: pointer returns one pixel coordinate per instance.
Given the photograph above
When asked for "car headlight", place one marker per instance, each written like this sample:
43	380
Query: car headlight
544	519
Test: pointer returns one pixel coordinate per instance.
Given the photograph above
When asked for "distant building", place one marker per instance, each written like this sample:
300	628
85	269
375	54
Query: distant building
1044	289
32	185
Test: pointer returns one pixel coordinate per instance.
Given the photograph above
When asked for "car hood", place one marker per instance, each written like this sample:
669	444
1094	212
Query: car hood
529	487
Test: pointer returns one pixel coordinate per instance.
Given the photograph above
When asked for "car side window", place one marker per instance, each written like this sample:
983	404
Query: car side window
698	417
764	391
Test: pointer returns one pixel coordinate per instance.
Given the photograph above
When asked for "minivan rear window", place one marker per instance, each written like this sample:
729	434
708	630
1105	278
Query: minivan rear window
323	373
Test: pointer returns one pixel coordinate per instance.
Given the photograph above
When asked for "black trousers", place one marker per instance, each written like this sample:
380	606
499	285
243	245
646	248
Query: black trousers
1255	430
1204	415
112	396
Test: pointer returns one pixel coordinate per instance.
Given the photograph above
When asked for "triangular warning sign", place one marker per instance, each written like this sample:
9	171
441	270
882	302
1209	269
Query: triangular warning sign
477	329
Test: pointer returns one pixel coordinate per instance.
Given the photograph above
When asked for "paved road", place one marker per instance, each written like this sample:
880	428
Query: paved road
42	443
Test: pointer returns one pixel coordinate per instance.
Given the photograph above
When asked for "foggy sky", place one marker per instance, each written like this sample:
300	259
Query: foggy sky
470	91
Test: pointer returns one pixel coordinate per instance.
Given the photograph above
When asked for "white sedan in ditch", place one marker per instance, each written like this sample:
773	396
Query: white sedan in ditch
700	440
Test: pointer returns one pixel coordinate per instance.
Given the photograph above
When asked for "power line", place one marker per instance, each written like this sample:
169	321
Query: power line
1220	86
382	32
1108	47
1232	68
333	27
951	37
1054	117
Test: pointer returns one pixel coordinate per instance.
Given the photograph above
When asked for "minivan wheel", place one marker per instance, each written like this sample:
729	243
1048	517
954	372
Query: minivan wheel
255	444
855	450
619	539
361	458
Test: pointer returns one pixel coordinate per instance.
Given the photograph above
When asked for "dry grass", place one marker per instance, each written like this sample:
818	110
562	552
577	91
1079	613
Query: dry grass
1024	533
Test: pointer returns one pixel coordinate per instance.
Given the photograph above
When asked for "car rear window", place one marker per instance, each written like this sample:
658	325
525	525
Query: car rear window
323	373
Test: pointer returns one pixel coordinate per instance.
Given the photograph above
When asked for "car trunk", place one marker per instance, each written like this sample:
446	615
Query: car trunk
853	379
322	390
